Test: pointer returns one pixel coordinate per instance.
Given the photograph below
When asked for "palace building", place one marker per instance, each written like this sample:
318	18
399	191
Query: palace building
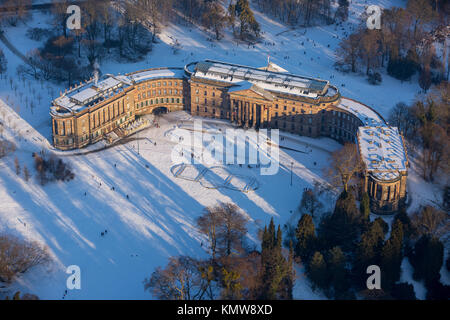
267	97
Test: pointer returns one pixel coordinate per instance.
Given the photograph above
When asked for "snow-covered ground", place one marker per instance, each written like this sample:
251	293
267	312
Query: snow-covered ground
150	215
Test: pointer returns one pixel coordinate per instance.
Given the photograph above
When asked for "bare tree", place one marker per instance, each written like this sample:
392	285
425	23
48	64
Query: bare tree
232	230
402	118
345	164
348	51
26	173
208	224
6	147
431	221
184	278
225	227
18	256
309	203
17	165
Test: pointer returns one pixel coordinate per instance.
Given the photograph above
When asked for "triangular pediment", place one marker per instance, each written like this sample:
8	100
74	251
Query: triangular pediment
253	92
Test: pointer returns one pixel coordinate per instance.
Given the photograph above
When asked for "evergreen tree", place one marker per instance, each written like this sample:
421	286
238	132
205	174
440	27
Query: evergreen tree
317	271
274	267
368	252
344	226
364	206
247	22
337	273
408	228
383	225
427	259
306	238
290	278
388	265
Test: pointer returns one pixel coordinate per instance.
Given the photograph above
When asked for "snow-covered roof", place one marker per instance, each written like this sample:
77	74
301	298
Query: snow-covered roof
273	67
246	85
382	150
90	93
269	80
364	113
380	146
156	73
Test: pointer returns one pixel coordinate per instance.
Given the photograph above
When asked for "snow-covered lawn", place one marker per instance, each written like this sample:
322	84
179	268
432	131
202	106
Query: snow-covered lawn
150	215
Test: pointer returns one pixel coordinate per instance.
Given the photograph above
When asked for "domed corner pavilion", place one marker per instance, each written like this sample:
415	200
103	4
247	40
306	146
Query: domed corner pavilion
384	155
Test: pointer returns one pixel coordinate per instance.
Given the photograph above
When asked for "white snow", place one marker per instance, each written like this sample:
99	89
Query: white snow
382	151
158	219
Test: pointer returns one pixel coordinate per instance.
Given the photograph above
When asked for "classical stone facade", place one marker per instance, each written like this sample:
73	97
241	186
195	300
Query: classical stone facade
248	97
87	113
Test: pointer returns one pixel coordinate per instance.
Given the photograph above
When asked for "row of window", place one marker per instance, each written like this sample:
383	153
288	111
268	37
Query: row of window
197	100
205	93
149	93
336	133
213	111
150	102
158	84
107	114
60	127
293	117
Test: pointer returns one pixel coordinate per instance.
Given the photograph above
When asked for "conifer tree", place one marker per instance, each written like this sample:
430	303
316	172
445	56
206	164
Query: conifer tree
427	259
290	277
247	22
317	271
337	272
274	267
306	238
368	252
344	226
364	206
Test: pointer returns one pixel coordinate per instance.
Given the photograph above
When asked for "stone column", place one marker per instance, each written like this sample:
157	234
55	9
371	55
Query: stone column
239	117
254	115
374	190
231	110
247	112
